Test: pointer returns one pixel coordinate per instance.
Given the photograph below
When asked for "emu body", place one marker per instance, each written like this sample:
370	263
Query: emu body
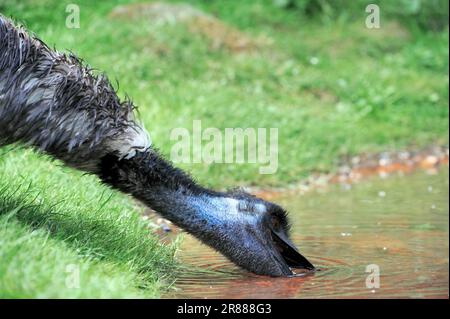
54	103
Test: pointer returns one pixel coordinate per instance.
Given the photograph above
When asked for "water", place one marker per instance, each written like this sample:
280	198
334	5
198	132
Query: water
399	224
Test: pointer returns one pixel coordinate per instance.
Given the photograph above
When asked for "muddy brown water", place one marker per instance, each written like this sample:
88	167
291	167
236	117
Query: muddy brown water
400	224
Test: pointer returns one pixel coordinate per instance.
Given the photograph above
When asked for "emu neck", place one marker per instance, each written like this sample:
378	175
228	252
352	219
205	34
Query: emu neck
170	192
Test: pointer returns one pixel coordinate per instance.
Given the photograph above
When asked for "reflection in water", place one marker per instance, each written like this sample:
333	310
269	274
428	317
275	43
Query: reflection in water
399	223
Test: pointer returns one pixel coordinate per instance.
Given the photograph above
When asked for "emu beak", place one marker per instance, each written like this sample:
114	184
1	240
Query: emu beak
289	253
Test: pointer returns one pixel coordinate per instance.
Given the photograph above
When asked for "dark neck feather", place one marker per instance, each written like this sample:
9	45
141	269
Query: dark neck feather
147	170
168	190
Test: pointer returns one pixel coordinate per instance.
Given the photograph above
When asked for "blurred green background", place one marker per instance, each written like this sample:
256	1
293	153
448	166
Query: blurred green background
310	68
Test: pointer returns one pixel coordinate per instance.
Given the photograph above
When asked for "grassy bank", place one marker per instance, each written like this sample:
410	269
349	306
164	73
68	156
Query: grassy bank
55	223
330	85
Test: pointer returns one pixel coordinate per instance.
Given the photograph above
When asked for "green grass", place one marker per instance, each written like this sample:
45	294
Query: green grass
53	218
371	90
35	265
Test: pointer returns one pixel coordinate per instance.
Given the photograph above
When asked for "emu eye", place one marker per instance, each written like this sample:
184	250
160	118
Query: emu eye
243	207
275	223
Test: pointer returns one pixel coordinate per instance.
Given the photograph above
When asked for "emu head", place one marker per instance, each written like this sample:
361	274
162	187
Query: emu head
254	234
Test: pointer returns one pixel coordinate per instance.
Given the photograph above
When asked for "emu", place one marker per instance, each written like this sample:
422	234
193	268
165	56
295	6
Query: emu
54	103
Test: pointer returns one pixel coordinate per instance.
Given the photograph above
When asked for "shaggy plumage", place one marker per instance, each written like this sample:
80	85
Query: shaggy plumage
47	100
53	102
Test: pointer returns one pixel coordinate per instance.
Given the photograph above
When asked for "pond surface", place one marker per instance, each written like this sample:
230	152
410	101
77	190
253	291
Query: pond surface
399	224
